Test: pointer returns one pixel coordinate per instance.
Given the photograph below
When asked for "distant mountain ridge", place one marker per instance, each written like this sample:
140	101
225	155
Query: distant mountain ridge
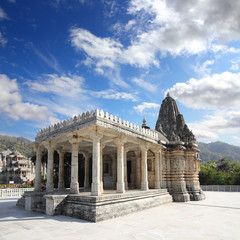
21	144
218	150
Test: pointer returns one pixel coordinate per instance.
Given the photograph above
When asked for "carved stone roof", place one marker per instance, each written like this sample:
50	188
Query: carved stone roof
171	123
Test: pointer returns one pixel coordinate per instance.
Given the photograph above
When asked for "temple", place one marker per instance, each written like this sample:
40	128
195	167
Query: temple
15	168
116	167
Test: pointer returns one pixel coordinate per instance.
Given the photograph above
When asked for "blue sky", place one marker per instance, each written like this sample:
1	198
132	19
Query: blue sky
59	58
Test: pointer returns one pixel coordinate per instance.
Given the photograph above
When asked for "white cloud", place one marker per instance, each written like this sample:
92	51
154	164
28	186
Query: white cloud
181	26
12	105
3	41
3	15
235	65
212	92
174	27
104	51
221	121
236	138
48	58
204	69
112	94
146	106
64	85
145	85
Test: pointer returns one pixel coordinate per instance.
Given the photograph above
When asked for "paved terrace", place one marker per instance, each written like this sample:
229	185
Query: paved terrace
217	217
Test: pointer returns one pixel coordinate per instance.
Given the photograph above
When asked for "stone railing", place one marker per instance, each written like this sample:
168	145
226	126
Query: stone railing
14	192
97	114
221	188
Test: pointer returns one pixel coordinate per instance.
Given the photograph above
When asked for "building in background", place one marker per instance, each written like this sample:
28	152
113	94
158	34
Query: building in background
15	168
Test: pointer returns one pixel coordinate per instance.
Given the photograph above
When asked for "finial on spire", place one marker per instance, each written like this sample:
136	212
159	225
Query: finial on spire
168	94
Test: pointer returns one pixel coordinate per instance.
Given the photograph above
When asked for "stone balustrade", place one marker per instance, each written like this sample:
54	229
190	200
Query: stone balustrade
14	192
221	188
97	115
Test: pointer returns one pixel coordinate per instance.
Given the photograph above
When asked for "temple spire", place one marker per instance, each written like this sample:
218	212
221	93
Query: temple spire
172	123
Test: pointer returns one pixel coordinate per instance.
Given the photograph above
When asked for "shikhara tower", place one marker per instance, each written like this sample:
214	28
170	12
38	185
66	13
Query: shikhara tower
116	167
181	159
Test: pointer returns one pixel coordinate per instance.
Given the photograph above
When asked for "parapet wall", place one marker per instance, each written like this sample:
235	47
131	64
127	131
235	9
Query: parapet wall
221	188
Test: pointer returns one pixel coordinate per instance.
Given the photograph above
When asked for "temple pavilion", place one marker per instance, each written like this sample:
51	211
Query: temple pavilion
126	167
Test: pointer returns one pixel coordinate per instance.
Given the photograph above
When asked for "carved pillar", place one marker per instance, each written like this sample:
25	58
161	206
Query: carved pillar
61	170
37	185
157	170
191	175
177	162
96	158
74	186
49	186
120	167
86	171
144	179
125	170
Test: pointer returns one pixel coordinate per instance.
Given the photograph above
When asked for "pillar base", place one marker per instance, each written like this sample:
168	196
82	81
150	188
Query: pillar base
144	186
49	189
157	185
74	188
197	195
181	197
121	187
96	189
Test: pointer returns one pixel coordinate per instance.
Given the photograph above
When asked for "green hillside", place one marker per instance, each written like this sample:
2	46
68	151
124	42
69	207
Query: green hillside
218	150
20	144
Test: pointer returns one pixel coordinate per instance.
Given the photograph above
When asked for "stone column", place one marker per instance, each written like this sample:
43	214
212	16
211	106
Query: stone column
125	170
114	169
157	170
144	179
61	170
120	167
44	170
177	165
138	170
86	172
96	182
101	165
74	186
191	175
160	167
37	185
49	186
133	174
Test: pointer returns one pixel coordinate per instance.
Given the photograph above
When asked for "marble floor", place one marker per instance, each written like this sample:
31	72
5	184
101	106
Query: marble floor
217	217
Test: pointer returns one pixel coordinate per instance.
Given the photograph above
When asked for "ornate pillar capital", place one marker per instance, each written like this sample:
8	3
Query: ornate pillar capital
96	135
75	139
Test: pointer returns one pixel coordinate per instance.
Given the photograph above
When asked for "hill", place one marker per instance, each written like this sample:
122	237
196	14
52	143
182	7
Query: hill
20	144
218	150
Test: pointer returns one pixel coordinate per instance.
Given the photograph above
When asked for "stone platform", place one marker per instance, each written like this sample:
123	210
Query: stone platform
96	208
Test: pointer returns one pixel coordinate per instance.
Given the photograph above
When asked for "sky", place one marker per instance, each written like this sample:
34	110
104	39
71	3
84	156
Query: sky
59	58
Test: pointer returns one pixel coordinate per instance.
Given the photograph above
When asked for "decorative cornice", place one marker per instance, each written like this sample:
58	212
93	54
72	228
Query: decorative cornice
97	117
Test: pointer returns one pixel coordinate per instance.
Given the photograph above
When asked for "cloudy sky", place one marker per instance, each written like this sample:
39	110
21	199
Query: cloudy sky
59	58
